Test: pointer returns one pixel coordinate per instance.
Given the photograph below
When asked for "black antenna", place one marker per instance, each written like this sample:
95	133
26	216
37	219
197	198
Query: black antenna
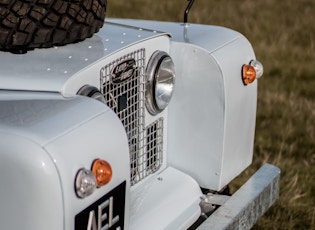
191	2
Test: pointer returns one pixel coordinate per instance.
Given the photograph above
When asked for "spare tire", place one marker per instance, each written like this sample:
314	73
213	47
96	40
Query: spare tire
29	24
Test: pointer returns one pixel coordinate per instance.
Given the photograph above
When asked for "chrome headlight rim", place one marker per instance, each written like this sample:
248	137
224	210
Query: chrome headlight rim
152	73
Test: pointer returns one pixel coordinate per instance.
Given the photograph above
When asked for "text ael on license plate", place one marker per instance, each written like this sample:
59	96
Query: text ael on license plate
106	213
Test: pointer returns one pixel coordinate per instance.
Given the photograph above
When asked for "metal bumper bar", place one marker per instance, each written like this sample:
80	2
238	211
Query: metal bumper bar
249	203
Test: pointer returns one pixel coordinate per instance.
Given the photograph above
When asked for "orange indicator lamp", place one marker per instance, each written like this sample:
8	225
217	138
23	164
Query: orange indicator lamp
102	172
252	71
249	74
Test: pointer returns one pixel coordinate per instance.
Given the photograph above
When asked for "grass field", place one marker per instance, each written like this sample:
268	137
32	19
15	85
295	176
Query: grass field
283	36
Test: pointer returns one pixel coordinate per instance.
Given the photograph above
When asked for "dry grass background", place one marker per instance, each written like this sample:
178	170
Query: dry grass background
283	36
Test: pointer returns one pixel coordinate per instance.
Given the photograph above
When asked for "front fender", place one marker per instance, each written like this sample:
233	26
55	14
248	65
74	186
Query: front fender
44	140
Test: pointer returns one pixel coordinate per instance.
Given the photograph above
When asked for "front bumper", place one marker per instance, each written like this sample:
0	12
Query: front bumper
249	203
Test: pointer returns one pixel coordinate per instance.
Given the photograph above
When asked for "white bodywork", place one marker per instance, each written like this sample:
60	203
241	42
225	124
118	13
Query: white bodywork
41	154
47	132
212	115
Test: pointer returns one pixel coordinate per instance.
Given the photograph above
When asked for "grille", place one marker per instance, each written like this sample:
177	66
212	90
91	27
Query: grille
126	97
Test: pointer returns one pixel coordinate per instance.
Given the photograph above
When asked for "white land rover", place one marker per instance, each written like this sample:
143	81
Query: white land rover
130	128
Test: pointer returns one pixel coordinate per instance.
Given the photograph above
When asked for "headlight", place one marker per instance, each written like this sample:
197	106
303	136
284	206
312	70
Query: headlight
160	82
93	92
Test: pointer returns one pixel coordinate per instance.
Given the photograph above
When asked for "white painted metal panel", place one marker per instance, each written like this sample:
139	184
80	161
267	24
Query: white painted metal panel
167	201
102	137
240	109
31	196
44	142
49	69
212	114
196	116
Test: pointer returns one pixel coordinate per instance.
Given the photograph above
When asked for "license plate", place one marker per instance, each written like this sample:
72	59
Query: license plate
106	213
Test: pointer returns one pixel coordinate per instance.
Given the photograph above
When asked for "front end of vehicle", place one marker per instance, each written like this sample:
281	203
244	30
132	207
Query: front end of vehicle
137	83
133	123
200	137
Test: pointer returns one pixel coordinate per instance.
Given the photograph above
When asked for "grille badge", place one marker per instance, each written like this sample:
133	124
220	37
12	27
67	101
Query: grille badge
123	71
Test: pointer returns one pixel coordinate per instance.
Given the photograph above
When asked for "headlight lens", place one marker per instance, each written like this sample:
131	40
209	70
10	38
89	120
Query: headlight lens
93	92
160	82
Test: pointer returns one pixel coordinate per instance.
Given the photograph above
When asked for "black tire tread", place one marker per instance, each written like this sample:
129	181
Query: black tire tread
29	24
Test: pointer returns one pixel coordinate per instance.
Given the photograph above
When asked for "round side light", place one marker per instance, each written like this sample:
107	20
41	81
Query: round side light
252	71
259	68
93	92
249	74
85	183
102	172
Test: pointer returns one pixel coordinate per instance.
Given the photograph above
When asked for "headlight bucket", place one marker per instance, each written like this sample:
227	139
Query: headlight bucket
160	82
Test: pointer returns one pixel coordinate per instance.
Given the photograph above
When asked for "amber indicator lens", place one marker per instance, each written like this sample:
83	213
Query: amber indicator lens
249	74
102	171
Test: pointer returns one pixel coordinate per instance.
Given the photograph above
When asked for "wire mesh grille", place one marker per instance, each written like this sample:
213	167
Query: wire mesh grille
154	145
127	99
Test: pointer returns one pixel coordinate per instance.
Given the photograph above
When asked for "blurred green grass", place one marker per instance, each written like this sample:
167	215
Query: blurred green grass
283	36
